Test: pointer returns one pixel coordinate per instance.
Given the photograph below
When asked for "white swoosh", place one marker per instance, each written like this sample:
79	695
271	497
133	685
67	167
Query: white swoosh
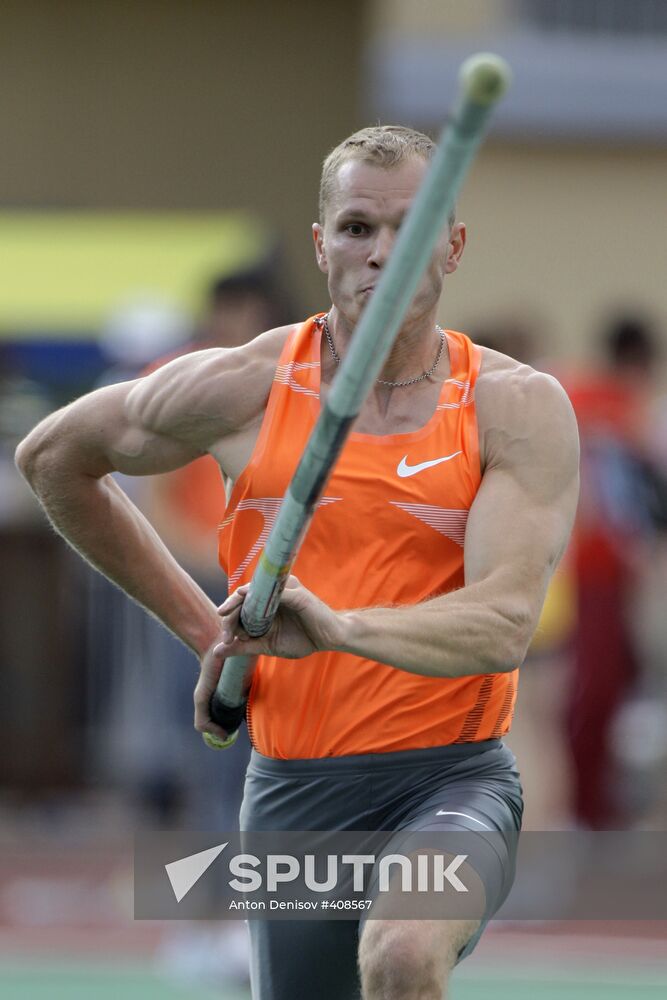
445	812
405	470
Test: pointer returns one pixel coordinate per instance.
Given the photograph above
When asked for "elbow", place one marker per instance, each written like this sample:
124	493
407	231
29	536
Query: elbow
513	655
511	639
504	659
34	455
25	458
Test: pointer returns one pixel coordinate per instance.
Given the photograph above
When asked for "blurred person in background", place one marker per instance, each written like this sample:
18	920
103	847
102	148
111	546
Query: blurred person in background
613	544
187	504
186	507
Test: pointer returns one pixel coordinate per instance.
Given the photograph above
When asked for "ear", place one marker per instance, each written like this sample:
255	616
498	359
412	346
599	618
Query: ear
320	252
457	242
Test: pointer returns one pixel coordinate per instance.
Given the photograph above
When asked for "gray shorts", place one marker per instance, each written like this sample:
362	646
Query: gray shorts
458	787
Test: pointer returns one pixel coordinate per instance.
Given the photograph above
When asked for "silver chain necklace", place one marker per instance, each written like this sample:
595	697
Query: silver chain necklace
323	321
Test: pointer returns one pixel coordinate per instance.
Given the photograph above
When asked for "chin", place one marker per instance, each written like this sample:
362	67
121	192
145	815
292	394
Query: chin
351	311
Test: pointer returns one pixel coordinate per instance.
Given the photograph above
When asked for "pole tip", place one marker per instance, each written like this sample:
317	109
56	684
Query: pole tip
485	77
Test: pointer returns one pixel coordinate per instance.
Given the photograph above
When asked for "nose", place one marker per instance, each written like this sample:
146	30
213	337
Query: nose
381	247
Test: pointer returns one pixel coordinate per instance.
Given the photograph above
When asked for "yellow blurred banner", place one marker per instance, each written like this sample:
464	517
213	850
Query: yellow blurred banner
64	272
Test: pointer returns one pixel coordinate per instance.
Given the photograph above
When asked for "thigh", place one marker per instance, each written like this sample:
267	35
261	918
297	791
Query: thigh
473	810
490	867
299	958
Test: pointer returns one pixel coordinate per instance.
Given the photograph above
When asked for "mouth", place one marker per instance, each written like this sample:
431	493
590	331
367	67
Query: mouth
368	289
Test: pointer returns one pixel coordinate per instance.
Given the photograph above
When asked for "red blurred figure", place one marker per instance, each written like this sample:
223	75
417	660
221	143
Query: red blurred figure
607	550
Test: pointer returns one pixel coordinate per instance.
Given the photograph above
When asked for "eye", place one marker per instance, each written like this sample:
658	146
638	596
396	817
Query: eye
355	229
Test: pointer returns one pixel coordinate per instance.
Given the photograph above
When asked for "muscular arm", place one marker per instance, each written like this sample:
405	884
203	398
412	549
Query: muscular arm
149	426
517	531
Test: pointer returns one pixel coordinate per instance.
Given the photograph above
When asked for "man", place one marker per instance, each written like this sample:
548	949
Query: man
422	576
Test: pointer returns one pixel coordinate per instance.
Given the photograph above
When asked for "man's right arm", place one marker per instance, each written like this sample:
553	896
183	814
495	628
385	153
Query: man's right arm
149	426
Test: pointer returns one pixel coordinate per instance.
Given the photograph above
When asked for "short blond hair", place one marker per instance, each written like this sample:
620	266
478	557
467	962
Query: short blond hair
379	145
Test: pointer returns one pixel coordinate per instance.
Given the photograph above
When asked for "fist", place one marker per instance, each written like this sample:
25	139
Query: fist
303	625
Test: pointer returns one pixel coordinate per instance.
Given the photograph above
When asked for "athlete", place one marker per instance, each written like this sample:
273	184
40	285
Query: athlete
389	676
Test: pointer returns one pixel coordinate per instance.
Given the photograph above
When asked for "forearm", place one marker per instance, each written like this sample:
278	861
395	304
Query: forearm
98	519
459	634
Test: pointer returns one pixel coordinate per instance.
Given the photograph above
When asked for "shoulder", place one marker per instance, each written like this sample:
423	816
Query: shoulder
507	387
521	411
205	394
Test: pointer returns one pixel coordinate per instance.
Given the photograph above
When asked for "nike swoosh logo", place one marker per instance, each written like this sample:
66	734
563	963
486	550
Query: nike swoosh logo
404	470
447	812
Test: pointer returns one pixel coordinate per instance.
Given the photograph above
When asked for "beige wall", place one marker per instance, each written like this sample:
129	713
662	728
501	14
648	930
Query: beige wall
559	233
424	17
178	104
219	104
562	235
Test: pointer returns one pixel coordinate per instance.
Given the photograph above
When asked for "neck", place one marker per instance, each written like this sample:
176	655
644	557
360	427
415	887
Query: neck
413	352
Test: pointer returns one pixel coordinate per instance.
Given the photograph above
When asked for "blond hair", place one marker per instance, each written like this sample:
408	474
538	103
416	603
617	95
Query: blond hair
384	146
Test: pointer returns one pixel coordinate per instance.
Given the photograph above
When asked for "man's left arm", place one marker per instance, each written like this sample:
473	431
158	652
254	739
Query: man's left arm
517	530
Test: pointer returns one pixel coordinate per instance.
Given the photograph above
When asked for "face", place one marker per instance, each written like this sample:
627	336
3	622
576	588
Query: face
365	211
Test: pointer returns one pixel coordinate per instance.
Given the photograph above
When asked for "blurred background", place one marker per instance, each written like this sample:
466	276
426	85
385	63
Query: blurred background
158	181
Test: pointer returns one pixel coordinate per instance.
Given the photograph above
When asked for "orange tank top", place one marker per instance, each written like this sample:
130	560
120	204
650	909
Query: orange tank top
389	530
